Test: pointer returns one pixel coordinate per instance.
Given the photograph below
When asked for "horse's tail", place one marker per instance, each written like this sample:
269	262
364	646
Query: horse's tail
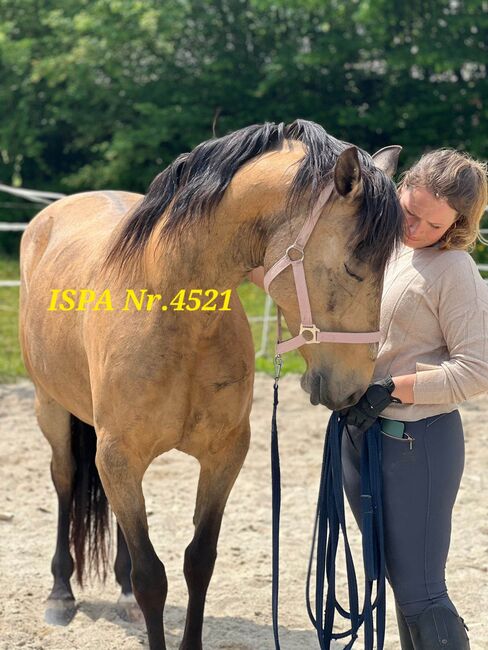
90	513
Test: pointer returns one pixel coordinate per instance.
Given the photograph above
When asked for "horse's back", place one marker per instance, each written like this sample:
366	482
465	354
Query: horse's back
63	248
85	220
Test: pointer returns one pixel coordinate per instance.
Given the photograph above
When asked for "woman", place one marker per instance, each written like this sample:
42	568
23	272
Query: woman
432	355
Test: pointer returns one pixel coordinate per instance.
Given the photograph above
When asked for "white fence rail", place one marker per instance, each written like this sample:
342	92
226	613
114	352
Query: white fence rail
5	226
36	196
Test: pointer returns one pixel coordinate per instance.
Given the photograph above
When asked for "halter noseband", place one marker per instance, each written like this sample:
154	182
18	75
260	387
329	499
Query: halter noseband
309	333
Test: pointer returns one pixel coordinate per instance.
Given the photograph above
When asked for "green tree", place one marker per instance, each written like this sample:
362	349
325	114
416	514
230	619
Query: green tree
104	93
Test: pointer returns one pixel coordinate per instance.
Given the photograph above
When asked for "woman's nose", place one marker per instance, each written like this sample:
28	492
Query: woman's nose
412	226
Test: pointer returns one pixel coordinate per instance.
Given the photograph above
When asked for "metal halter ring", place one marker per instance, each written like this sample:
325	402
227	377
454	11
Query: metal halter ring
296	248
313	331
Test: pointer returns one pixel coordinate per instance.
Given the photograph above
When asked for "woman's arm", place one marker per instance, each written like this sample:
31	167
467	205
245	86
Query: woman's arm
404	388
463	318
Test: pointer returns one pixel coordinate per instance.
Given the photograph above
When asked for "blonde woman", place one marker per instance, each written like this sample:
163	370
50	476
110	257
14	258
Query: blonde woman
433	354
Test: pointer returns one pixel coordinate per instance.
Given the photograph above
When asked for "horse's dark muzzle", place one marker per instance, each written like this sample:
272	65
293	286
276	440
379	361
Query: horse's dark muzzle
319	389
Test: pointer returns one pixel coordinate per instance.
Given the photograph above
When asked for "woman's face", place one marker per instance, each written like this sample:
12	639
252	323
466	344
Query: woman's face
428	218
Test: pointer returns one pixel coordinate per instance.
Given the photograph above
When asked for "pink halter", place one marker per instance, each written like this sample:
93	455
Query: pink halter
309	333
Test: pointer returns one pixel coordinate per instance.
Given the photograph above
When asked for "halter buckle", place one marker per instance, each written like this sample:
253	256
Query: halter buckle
312	329
296	248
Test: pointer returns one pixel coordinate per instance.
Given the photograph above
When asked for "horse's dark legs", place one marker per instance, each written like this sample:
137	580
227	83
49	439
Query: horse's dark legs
61	602
127	605
122	564
217	476
121	471
54	422
62	564
199	564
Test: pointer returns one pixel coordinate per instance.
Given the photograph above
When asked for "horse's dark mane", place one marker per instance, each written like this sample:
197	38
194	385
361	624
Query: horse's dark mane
191	187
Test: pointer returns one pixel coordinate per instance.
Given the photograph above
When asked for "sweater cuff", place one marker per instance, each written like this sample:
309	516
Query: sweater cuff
430	384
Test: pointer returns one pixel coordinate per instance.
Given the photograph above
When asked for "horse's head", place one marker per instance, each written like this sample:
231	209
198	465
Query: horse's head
343	261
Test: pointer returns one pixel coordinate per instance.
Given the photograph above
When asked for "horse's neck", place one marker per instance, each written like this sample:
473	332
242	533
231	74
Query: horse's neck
205	257
219	251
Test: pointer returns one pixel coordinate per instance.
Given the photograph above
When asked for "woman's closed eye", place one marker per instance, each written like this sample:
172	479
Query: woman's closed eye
412	216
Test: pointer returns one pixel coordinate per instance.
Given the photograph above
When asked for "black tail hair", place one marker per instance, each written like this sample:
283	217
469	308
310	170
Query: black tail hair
90	513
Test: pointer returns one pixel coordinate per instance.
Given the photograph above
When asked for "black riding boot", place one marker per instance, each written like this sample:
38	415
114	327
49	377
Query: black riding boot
405	638
439	628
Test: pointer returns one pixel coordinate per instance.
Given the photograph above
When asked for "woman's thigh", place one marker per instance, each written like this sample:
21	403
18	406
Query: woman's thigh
420	483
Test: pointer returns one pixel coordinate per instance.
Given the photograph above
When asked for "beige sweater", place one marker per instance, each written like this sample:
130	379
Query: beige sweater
434	323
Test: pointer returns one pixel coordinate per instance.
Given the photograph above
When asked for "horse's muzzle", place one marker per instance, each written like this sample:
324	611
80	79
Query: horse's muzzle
321	392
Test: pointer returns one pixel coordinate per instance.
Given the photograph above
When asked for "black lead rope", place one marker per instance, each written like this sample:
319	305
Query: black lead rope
329	522
373	536
276	503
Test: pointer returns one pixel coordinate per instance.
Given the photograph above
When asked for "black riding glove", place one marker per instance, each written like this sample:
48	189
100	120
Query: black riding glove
376	398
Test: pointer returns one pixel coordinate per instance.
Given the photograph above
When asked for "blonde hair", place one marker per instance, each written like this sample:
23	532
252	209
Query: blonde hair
461	181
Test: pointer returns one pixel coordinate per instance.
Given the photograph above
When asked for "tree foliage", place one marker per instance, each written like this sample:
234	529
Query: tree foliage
105	93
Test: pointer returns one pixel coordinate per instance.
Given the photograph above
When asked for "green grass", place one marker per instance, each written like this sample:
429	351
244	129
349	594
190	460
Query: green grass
11	366
253	300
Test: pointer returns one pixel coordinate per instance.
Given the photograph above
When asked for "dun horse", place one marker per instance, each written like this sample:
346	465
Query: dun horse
119	382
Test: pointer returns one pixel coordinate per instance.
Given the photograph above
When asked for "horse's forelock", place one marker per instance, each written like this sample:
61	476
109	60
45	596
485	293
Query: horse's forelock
380	226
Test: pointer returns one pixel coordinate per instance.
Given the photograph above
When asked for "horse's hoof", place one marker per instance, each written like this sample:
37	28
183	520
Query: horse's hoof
128	609
60	611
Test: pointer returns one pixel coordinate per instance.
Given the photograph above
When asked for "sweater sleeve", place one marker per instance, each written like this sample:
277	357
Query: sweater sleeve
463	318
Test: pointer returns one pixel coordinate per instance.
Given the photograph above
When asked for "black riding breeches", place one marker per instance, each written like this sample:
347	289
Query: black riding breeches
420	482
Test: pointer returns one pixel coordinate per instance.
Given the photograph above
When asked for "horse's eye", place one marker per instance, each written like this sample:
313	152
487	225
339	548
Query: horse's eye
352	274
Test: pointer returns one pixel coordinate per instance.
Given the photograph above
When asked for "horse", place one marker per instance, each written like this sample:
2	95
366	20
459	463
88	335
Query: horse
120	379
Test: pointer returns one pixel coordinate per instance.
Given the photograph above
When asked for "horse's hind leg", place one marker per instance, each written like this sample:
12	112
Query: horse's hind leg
54	422
217	476
121	467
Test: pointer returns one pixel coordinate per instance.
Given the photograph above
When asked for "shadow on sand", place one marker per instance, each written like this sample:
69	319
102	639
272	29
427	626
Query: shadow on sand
220	633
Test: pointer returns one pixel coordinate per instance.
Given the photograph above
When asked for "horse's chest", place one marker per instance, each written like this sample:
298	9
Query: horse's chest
217	410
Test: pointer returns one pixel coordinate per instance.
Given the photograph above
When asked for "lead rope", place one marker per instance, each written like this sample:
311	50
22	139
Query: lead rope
373	535
276	502
329	522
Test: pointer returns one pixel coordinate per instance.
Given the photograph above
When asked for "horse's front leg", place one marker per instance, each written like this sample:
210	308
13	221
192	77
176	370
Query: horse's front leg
218	473
127	605
121	468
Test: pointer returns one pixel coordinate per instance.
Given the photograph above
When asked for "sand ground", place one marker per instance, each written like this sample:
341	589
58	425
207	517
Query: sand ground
238	612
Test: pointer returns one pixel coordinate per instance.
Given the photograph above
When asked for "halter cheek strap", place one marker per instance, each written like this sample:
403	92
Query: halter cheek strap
308	333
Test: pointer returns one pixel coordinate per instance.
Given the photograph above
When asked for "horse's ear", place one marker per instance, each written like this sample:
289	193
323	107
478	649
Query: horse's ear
347	173
387	159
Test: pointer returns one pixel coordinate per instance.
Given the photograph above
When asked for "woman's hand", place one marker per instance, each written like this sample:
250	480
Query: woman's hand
374	401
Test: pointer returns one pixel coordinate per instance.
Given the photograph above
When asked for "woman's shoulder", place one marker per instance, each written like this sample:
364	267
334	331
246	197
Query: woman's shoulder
456	275
446	261
450	272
